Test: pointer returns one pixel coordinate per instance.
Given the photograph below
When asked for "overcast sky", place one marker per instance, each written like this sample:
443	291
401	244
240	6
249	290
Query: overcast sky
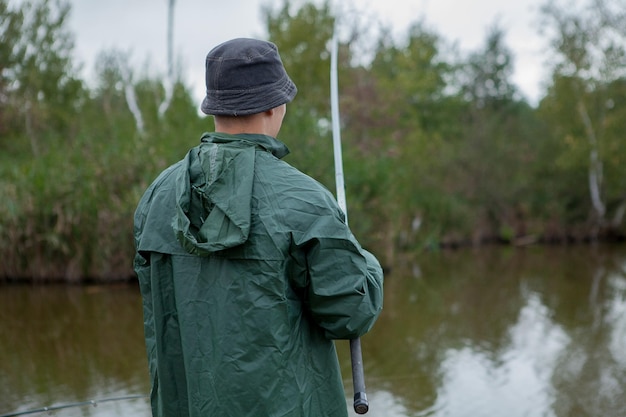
140	26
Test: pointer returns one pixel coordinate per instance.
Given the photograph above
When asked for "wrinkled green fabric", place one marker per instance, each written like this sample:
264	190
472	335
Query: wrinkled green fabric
248	272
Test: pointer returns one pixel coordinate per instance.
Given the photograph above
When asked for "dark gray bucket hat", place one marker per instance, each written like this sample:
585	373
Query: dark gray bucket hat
245	76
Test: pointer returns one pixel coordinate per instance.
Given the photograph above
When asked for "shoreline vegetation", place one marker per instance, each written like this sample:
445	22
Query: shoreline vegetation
440	149
53	273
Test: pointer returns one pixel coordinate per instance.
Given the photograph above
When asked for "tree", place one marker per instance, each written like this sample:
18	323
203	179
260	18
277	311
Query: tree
303	35
488	72
398	117
589	44
497	141
10	32
413	79
39	81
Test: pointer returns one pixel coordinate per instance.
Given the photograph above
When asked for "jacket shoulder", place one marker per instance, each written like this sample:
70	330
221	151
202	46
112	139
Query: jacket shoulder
155	212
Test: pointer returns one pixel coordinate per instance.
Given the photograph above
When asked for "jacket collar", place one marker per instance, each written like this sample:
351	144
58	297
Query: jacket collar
269	143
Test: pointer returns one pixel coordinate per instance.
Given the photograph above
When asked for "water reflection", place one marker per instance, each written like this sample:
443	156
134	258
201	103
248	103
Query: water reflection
538	331
516	382
70	344
492	332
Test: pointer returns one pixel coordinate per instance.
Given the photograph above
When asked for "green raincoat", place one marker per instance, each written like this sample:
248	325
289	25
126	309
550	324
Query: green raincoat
248	272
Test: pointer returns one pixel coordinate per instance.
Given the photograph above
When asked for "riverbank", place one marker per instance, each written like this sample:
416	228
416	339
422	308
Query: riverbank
119	271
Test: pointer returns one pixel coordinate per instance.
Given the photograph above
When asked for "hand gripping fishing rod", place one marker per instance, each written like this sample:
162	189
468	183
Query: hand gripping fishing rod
361	405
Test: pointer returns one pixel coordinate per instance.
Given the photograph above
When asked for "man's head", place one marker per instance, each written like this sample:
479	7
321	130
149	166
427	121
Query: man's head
244	77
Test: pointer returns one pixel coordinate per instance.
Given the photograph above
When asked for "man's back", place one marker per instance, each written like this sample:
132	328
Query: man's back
240	312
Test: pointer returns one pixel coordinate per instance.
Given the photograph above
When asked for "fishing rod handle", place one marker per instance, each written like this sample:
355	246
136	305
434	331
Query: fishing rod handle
361	405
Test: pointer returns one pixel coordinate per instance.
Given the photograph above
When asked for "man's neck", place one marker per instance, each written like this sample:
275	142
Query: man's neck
256	124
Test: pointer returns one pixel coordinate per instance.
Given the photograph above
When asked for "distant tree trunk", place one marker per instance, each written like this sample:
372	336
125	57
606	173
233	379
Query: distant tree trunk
129	92
169	80
595	164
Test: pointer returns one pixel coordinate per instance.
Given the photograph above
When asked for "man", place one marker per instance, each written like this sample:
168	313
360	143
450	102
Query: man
246	266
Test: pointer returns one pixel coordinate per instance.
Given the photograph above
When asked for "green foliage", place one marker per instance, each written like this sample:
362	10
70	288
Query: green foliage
438	148
584	120
488	73
302	37
39	87
73	196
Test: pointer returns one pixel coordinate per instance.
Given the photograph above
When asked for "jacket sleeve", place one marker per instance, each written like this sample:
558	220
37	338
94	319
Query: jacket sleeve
342	282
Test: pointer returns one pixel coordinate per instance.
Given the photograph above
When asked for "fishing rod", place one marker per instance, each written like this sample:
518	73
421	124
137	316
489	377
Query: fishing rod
51	408
361	405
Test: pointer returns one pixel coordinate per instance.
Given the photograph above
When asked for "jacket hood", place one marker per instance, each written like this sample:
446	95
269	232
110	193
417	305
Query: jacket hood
214	191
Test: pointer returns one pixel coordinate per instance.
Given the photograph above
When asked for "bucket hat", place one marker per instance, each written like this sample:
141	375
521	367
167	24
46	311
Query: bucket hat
245	76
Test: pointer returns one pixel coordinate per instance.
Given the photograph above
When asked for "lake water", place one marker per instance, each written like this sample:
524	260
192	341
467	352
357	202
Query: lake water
538	331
